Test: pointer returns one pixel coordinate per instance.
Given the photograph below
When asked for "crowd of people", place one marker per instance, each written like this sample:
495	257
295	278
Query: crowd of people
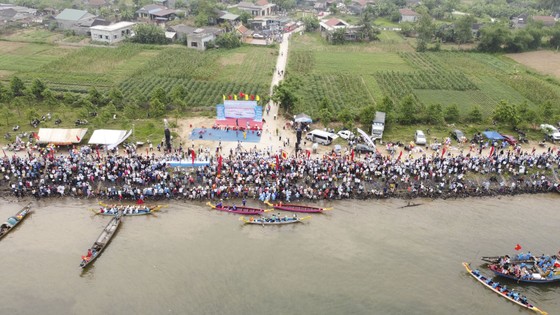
268	175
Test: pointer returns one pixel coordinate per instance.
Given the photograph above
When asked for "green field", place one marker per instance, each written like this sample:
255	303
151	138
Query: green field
355	75
141	68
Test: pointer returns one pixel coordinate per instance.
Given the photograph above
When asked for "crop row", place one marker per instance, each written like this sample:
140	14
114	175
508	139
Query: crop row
301	62
199	93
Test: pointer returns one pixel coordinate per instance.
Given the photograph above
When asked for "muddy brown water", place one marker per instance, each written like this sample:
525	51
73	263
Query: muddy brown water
364	257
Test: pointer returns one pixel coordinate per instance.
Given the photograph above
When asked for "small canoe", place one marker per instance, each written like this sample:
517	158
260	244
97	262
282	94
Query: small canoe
127	210
297	208
102	241
497	288
11	223
271	221
238	209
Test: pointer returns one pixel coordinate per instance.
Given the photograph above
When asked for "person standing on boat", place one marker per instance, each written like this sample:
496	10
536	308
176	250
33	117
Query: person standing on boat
244	201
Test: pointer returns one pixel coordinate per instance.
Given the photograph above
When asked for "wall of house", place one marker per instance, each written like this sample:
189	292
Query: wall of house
110	36
409	18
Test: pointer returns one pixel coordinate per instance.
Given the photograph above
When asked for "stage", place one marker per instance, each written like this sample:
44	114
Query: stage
239	123
225	135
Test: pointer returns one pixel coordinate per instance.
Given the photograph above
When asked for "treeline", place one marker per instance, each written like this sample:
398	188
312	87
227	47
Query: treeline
19	98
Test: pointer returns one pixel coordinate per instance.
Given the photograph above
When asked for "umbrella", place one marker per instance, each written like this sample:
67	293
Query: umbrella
303	118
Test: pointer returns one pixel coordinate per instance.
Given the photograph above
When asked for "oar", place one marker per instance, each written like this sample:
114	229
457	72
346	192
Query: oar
539	311
327	209
242	219
305	218
102	204
268	210
211	205
268	203
93	210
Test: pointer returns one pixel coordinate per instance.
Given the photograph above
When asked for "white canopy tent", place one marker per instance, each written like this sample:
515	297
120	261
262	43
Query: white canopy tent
61	136
108	137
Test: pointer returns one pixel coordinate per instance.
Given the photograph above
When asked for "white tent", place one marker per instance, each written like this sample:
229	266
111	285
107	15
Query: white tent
111	138
61	136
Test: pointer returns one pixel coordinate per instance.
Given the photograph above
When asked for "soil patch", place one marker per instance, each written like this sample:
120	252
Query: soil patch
541	61
235	59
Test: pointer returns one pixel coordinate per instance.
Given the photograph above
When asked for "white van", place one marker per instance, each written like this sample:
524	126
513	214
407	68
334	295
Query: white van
319	136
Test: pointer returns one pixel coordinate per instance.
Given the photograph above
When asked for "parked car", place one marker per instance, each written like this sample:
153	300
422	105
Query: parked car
551	133
420	138
458	135
509	139
346	134
362	148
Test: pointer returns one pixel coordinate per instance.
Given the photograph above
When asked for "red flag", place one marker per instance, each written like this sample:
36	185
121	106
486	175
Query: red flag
399	158
78	138
252	97
97	150
284	154
277	162
308	153
241	94
220	164
36	136
556	264
229	97
352	155
193	156
491	152
517	247
443	152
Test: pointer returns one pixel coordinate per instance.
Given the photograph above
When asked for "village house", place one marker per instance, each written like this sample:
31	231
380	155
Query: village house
520	21
408	15
259	8
113	33
15	13
156	12
78	21
328	27
547	21
196	38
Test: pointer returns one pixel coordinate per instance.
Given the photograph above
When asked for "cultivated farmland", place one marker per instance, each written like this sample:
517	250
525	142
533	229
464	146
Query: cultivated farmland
352	76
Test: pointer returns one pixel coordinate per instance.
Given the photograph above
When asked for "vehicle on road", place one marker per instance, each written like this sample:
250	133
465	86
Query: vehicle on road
458	135
321	137
509	139
346	134
378	126
362	148
420	137
551	133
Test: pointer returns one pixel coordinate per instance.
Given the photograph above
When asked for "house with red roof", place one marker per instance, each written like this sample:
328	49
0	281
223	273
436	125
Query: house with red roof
407	15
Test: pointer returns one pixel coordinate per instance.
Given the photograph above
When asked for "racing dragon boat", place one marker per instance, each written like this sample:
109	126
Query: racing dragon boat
297	208
525	268
11	223
273	221
238	209
503	291
131	210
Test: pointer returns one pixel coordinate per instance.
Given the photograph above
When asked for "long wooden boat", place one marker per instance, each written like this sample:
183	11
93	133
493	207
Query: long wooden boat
497	272
11	223
127	210
271	221
297	208
102	241
238	209
502	290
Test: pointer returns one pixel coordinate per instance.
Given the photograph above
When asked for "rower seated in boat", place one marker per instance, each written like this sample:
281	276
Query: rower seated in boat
234	207
219	204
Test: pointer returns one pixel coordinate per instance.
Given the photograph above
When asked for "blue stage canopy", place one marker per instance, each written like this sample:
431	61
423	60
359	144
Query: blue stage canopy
492	135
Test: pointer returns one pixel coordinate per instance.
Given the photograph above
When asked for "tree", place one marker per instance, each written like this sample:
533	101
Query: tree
519	42
407	111
388	107
452	113
367	114
554	40
37	88
16	86
367	32
434	115
178	93
95	97
284	94
228	40
244	17
157	108
149	34
463	29
160	95
425	30
475	115
546	110
311	23
506	113
127	14
116	97
493	38
285	4
4	94
338	36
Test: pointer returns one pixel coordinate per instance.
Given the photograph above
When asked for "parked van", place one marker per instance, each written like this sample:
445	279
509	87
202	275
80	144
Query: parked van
319	136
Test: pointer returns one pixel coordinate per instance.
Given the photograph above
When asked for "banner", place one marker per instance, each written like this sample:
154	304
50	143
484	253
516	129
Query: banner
240	109
367	139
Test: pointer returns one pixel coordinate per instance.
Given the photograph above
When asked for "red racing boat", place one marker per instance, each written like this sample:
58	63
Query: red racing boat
297	208
238	209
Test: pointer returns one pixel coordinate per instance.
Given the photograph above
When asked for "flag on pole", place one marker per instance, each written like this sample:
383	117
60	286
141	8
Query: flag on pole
252	97
235	97
229	97
78	138
443	152
284	154
399	158
492	153
258	98
246	97
224	97
36	136
517	247
193	156
277	162
308	153
219	164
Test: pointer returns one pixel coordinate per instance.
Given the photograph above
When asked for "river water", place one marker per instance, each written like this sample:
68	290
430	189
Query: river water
364	257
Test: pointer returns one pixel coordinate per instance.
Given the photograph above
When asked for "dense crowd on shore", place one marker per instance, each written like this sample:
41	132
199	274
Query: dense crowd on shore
263	174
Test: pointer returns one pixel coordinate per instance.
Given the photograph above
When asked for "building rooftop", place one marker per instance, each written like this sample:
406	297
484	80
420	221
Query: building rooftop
72	15
113	27
408	12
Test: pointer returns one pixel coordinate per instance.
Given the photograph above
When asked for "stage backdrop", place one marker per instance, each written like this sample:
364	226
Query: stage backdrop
240	109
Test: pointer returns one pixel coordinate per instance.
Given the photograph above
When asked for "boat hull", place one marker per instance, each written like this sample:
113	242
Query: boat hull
6	228
503	275
241	210
102	241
